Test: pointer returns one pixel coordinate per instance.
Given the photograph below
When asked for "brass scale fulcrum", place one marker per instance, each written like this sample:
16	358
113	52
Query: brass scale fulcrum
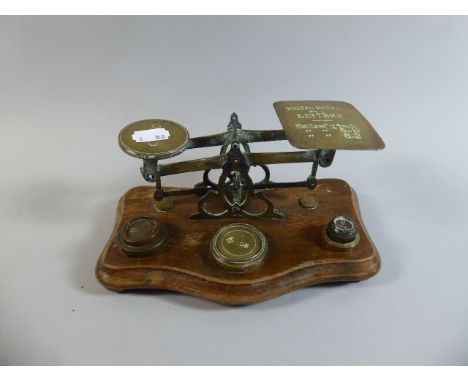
238	252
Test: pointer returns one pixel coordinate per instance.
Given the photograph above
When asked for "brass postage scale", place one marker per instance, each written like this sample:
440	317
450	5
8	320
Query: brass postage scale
231	239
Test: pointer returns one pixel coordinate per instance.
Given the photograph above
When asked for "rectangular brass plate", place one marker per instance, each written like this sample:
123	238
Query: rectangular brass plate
326	125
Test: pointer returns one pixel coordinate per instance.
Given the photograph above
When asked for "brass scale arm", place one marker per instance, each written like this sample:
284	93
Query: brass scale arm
153	171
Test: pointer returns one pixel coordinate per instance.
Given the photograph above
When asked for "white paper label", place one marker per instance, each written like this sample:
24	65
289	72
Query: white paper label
151	135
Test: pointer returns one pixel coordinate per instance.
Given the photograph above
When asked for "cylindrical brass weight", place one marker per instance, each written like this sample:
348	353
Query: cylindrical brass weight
341	232
239	247
142	236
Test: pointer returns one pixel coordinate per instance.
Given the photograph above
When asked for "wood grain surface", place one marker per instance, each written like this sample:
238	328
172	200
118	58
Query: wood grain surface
297	255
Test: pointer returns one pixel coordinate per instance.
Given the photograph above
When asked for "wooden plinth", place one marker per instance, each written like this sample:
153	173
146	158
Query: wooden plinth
297	255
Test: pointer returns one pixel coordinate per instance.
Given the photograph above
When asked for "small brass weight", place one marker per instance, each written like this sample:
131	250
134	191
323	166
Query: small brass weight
233	239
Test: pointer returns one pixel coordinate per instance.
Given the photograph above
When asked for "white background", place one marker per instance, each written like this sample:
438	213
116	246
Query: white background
67	87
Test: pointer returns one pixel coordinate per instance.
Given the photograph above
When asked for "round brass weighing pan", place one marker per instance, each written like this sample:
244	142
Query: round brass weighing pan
153	139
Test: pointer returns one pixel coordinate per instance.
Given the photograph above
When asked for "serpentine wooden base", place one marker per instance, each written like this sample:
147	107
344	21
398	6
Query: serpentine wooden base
297	255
